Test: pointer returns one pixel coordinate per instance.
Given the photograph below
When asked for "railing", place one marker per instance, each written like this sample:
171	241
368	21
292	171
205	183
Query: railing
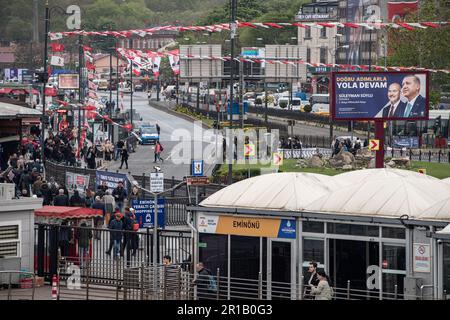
419	155
26	282
135	248
140	281
304	153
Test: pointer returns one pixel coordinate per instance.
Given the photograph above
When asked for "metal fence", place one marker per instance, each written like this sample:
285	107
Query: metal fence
135	248
17	285
159	282
438	156
304	153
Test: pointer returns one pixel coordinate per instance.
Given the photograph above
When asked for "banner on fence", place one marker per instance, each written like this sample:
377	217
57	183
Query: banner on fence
111	179
145	212
76	181
405	142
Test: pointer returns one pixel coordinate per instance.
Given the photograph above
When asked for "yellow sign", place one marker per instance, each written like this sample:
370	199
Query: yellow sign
277	159
374	144
248	226
422	171
249	149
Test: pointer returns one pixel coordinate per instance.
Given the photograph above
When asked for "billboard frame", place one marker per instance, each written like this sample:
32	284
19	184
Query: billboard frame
67	75
333	97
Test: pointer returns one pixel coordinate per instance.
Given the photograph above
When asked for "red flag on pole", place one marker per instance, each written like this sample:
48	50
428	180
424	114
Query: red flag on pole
57	47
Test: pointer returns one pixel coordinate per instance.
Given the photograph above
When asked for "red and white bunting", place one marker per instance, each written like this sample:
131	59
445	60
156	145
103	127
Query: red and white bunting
409	26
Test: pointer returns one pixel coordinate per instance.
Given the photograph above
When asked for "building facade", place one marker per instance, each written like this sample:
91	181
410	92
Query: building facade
153	42
320	42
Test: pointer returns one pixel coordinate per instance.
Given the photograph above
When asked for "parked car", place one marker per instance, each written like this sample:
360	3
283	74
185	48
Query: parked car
138	87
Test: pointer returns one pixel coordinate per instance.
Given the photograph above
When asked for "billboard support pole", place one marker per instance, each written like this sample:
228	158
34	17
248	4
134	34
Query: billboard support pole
379	135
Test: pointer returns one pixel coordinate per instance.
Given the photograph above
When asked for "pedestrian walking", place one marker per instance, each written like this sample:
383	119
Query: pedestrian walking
61	199
65	236
120	194
158	149
83	235
158	129
206	284
110	204
323	290
116	227
124	157
99	204
119	146
313	280
90	158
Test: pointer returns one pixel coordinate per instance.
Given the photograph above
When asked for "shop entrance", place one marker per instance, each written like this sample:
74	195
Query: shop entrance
280	269
349	261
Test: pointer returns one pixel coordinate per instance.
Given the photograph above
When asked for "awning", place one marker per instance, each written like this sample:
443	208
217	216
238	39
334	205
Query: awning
446	230
67	212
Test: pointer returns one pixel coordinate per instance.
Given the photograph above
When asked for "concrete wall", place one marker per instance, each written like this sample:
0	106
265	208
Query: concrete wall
22	210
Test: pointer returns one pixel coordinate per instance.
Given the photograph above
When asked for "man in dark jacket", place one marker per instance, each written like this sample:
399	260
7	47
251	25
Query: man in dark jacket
76	200
61	199
119	146
120	194
65	235
116	227
206	285
83	235
98	221
313	280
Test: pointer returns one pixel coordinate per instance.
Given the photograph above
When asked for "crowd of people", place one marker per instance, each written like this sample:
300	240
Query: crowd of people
290	143
346	145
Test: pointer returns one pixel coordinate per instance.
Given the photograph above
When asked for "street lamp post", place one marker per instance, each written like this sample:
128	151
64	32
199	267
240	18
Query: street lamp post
47	23
233	28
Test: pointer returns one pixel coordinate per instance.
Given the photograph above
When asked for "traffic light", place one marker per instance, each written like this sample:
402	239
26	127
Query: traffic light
40	77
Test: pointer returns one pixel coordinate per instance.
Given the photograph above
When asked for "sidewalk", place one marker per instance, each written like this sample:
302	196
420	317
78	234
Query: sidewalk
41	293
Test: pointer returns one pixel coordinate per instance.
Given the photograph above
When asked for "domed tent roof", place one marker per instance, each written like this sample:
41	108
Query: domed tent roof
438	211
278	191
384	192
352	177
446	180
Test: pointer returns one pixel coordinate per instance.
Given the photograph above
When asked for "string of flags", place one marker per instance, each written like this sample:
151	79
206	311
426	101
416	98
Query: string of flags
255	25
138	57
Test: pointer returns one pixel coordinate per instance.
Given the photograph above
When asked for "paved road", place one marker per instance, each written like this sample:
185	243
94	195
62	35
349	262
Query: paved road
142	160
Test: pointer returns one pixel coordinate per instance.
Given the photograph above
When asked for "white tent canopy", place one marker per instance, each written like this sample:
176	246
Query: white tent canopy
372	192
446	230
446	180
279	191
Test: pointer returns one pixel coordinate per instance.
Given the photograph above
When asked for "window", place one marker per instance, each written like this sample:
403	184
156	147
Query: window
313	226
353	229
308	54
323	32
308	33
313	250
393	233
9	241
323	55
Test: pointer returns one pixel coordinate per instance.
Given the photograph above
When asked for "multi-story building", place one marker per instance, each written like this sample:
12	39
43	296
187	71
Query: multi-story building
361	43
151	42
320	42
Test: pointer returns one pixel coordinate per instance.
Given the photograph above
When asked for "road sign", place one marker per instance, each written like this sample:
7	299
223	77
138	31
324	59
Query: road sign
156	182
197	168
197	181
374	144
145	212
423	171
249	149
277	159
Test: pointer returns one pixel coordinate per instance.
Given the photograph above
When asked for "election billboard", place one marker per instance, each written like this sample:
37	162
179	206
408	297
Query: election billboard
68	81
380	96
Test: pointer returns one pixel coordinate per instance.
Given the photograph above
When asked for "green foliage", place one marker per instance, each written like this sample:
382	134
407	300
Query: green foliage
426	48
307	108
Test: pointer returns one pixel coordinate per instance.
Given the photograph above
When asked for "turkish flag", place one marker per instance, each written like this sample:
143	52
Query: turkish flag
57	47
50	92
128	126
398	10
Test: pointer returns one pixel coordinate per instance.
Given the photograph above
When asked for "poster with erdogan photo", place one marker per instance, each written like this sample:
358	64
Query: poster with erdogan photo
379	95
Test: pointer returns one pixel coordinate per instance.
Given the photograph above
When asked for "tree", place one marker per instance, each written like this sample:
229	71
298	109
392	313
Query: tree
426	48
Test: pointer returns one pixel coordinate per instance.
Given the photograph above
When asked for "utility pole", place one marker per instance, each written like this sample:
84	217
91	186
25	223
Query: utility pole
241	92
80	88
47	18
233	27
131	87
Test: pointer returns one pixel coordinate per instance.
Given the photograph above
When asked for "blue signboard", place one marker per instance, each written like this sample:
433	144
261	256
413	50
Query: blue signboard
236	107
197	168
288	229
380	95
145	212
405	142
111	178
